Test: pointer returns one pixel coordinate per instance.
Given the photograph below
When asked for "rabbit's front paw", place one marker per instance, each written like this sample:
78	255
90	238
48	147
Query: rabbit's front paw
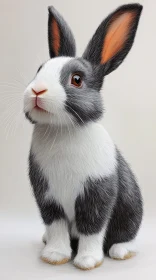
87	262
52	257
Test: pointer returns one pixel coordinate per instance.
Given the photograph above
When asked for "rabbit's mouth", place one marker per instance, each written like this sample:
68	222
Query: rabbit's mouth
40	109
38	106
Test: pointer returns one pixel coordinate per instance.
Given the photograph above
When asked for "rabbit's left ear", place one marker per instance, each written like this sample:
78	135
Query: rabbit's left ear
60	38
114	38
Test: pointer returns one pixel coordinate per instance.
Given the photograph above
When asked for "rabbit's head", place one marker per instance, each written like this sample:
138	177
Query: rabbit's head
66	89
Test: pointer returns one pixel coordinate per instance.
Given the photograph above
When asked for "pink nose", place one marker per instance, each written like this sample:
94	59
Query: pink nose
39	89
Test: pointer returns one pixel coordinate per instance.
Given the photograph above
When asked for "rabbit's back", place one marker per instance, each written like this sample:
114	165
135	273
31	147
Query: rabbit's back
128	210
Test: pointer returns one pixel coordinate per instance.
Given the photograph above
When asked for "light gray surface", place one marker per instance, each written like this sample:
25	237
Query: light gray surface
20	245
130	101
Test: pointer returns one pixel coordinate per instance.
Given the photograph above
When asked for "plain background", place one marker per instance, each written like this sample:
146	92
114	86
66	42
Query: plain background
130	117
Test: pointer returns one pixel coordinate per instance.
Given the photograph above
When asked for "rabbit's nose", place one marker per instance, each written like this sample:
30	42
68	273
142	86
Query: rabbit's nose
39	88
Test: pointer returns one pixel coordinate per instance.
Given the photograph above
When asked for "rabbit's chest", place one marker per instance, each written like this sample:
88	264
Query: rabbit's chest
64	187
68	162
66	178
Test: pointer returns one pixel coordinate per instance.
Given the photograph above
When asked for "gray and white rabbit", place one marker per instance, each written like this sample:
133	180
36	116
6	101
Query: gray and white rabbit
83	186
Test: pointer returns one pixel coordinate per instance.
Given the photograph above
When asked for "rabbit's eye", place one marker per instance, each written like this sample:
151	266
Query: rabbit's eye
76	80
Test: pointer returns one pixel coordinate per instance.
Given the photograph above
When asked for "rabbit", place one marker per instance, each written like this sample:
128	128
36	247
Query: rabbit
86	192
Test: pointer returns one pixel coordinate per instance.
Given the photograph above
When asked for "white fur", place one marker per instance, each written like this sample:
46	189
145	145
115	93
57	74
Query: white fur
53	100
73	230
90	252
68	161
58	242
44	237
121	250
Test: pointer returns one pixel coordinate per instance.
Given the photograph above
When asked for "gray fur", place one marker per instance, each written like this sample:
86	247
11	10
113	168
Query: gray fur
128	210
85	103
115	202
93	209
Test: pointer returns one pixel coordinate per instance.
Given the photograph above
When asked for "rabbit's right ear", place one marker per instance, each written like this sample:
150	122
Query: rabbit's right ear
60	38
114	38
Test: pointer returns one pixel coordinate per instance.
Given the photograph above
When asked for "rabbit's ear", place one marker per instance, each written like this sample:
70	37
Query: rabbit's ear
60	37
114	38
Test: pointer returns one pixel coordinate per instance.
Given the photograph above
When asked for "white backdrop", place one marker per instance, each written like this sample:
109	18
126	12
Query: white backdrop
129	93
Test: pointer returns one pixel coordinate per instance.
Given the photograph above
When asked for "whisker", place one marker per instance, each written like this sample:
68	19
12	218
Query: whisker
22	84
13	86
78	95
38	58
54	139
75	113
60	123
81	120
45	131
70	120
10	106
11	118
21	74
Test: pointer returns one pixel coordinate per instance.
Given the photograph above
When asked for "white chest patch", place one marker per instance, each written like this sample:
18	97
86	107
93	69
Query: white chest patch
68	160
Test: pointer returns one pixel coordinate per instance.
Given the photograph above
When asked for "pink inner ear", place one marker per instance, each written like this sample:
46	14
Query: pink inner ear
116	35
56	37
